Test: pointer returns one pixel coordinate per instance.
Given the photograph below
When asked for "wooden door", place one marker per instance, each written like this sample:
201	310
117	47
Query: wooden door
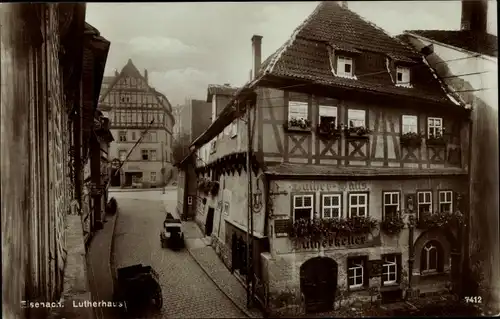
318	283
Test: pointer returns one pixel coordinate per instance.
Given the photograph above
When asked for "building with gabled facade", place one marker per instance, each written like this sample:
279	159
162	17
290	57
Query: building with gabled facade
359	160
132	105
467	61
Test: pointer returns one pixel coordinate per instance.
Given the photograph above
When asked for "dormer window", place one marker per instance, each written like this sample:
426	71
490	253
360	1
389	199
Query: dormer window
403	76
345	67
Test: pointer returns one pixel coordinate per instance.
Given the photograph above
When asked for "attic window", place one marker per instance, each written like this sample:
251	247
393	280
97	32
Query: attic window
403	76
345	67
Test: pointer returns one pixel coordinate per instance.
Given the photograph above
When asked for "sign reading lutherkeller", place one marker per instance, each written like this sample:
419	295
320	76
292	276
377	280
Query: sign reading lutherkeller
340	242
330	187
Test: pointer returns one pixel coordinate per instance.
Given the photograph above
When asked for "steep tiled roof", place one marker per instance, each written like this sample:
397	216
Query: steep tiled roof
306	55
225	89
287	169
482	43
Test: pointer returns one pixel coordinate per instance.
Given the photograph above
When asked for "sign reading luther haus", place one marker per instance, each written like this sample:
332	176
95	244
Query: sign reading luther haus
340	242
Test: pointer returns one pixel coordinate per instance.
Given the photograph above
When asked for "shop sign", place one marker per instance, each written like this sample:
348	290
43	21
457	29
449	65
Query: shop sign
330	187
340	242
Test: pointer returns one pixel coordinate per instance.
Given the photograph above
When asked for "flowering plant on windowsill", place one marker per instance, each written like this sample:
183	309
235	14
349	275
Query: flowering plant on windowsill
436	139
204	185
329	129
411	139
318	229
428	220
357	131
214	188
298	123
392	224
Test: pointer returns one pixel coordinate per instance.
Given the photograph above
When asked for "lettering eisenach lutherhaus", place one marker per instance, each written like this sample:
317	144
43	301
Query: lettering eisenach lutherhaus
329	187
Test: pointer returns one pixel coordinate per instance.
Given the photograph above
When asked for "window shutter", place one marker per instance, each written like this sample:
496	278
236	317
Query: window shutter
440	258
399	262
366	272
459	202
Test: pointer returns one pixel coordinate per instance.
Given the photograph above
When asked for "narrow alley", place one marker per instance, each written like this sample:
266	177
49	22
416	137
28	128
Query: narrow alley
187	291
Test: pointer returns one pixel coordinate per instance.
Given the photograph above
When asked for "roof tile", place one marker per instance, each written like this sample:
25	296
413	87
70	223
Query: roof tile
306	55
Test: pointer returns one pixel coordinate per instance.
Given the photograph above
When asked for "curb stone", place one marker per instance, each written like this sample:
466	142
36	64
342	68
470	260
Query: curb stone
243	309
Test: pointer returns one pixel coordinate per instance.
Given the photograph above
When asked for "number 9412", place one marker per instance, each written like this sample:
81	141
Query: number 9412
473	299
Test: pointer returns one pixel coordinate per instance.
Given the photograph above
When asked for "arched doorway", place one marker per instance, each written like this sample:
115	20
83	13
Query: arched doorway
318	283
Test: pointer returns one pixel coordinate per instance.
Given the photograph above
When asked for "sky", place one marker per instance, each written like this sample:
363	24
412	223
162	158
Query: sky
186	46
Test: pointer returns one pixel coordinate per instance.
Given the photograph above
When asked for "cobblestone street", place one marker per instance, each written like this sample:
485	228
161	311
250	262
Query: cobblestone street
187	291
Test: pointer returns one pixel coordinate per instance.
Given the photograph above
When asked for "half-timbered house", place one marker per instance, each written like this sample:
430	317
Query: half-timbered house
135	109
359	158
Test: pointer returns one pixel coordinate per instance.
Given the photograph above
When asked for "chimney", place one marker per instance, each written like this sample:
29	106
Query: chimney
474	15
257	52
343	4
146	75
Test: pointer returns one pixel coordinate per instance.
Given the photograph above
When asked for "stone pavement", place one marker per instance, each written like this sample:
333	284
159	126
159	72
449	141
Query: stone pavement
187	291
222	277
99	266
206	257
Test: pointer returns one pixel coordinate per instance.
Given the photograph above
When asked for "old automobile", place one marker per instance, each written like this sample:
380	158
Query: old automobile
172	235
139	287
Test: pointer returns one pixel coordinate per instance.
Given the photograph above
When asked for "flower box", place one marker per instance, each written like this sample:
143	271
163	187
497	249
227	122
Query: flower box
328	130
214	188
439	220
318	229
392	225
298	125
357	132
411	139
437	140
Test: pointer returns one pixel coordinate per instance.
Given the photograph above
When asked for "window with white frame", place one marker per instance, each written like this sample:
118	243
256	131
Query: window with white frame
145	155
303	207
358	205
391	204
297	110
153	176
434	127
445	201
129	117
424	202
152	155
123	117
345	66
327	115
390	269
430	257
410	124
403	76
331	205
234	128
356	118
122	154
356	272
122	136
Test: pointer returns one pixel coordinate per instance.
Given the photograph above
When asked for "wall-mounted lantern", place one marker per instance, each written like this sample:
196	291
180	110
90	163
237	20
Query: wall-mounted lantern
257	199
